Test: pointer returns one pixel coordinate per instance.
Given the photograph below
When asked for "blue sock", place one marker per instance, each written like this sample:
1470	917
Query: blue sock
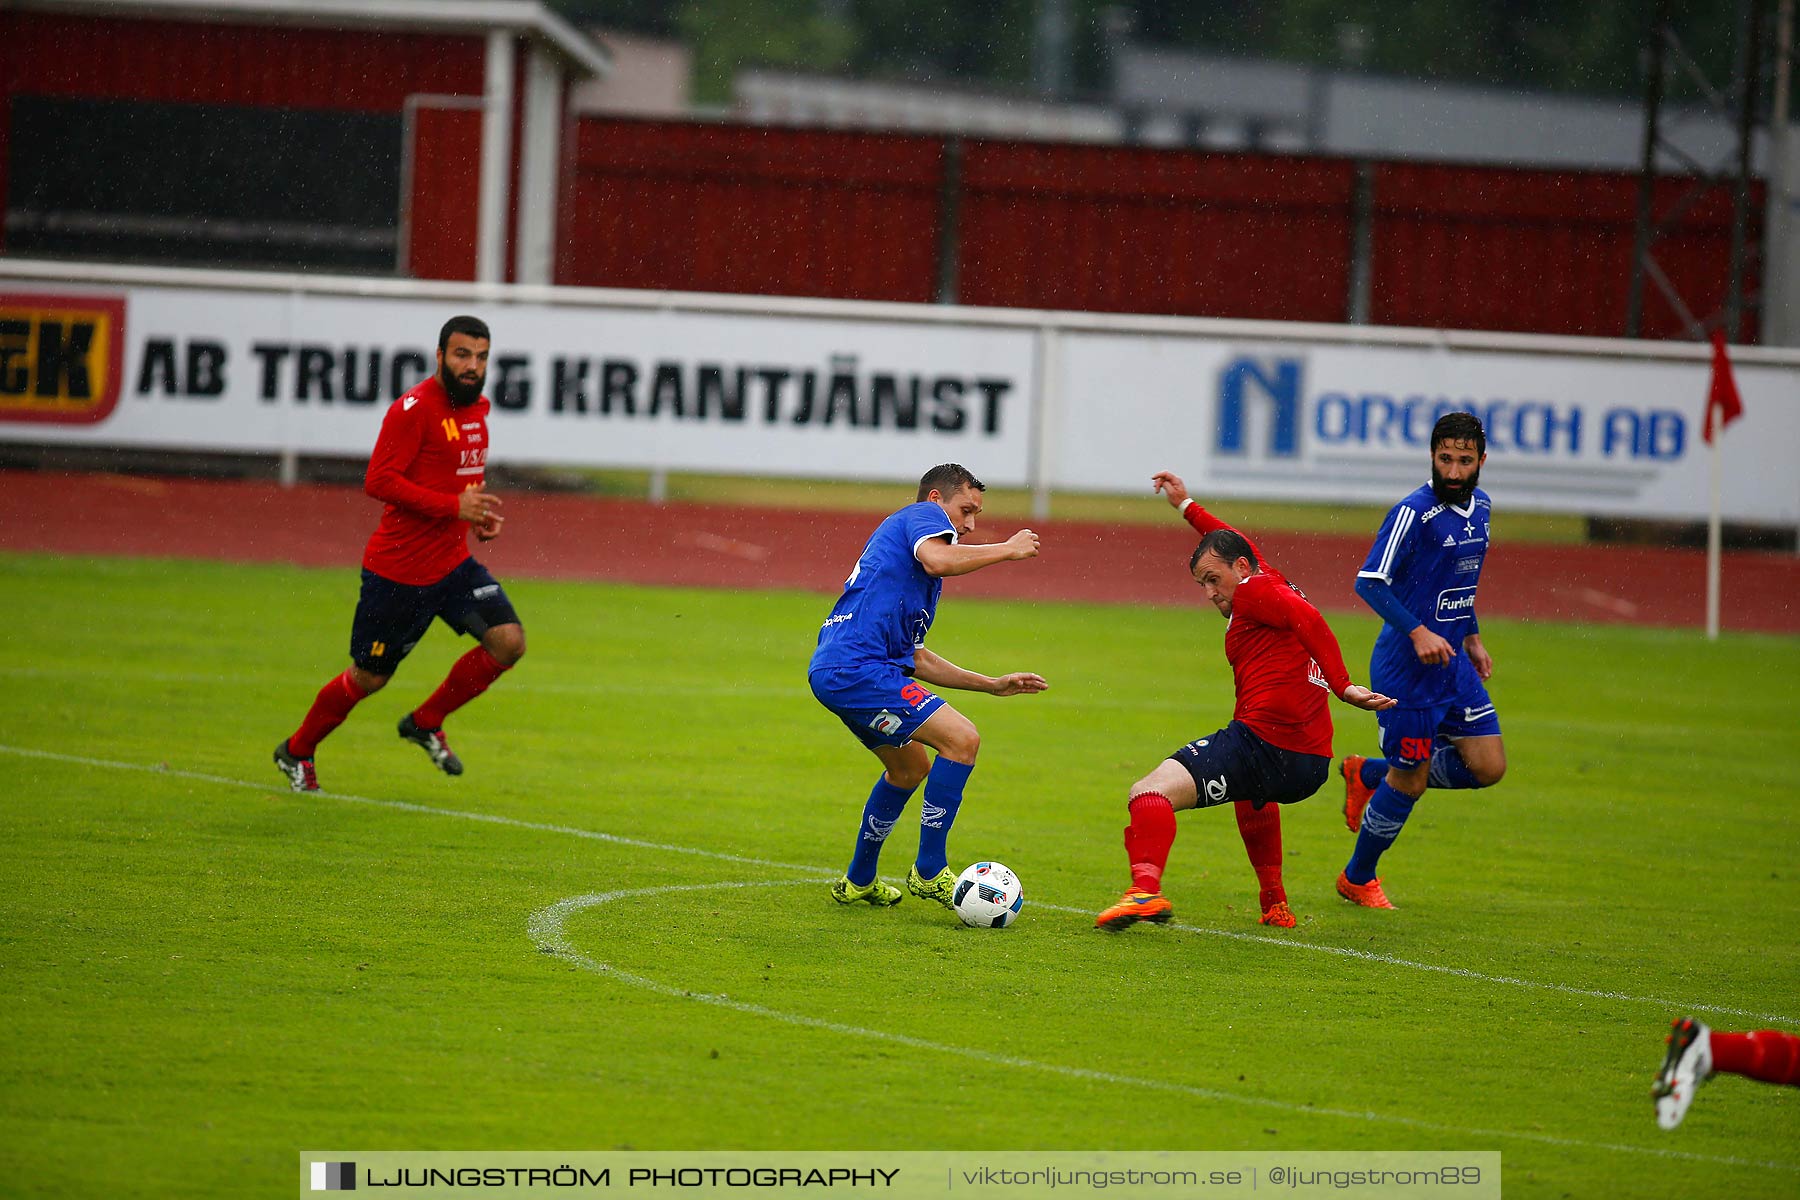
879	815
943	796
1448	770
1374	770
1381	824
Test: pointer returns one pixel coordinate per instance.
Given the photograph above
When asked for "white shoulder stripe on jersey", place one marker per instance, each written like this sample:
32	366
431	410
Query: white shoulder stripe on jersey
928	537
1401	524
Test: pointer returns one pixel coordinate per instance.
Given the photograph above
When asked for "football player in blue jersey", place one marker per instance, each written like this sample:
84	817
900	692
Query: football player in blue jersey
871	669
1420	578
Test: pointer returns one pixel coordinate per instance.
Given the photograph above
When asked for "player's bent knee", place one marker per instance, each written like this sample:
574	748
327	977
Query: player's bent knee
962	746
506	643
1489	773
367	681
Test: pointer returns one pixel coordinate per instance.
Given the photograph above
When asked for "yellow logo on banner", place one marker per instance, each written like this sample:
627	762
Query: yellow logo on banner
59	357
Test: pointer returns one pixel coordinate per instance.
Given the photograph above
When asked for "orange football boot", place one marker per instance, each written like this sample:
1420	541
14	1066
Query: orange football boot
1356	796
1279	915
1135	906
1369	894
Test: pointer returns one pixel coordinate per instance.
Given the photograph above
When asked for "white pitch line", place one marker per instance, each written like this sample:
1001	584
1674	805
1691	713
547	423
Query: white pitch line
546	929
813	870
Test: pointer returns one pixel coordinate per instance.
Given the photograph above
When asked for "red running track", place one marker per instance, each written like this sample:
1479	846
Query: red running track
562	536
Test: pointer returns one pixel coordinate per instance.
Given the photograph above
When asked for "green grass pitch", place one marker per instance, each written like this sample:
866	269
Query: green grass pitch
203	973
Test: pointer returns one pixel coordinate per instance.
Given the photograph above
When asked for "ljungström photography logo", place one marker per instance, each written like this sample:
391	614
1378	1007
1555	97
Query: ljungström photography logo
334	1177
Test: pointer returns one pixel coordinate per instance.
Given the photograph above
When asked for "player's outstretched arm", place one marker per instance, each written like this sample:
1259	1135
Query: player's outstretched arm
939	671
1359	696
1170	485
943	560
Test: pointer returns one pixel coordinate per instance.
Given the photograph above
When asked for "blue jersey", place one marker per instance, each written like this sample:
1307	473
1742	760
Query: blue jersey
1430	554
889	601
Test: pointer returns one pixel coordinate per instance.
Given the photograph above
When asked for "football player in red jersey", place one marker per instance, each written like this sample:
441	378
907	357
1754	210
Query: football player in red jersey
1277	748
428	467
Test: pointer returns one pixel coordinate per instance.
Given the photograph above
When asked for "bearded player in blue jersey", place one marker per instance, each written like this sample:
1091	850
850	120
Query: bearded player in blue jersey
1420	578
871	667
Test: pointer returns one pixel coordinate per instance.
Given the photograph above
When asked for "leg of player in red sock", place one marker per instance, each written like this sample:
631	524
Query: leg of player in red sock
1147	842
329	708
1696	1054
1767	1054
469	676
1261	831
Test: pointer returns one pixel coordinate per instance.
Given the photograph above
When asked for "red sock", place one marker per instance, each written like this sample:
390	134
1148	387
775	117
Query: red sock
1768	1055
1148	838
1261	831
329	708
468	678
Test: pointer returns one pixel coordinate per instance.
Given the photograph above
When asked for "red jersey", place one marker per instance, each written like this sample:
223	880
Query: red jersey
1283	656
427	454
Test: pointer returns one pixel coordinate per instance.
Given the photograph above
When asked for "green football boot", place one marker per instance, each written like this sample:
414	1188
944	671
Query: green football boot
940	887
875	892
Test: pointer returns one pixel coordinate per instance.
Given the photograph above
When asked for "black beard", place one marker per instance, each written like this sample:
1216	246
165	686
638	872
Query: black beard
1457	494
461	394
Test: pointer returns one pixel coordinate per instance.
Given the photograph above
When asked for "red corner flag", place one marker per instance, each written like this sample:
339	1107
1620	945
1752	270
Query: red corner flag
1722	395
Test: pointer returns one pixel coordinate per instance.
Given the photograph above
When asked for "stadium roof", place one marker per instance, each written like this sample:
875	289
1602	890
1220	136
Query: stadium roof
527	17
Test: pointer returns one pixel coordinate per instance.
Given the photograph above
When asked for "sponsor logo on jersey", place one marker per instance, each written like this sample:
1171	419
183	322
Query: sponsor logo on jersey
1468	563
1315	675
1455	604
406	405
60	357
1449	539
886	723
914	694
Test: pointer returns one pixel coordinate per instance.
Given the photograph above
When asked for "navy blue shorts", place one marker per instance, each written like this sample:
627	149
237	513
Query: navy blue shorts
876	701
1235	764
392	617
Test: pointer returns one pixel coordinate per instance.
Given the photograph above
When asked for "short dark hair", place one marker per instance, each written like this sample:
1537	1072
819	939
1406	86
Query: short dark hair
1459	427
1229	545
474	327
947	478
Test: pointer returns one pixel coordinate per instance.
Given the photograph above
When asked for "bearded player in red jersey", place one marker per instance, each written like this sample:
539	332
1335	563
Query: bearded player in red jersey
1277	748
428	467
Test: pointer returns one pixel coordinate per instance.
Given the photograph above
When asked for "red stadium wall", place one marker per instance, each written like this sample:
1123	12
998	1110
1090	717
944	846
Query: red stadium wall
443	200
1541	251
748	209
1107	229
752	209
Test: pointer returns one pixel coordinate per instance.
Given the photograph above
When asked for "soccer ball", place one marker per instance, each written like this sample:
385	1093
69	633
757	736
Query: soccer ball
988	896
